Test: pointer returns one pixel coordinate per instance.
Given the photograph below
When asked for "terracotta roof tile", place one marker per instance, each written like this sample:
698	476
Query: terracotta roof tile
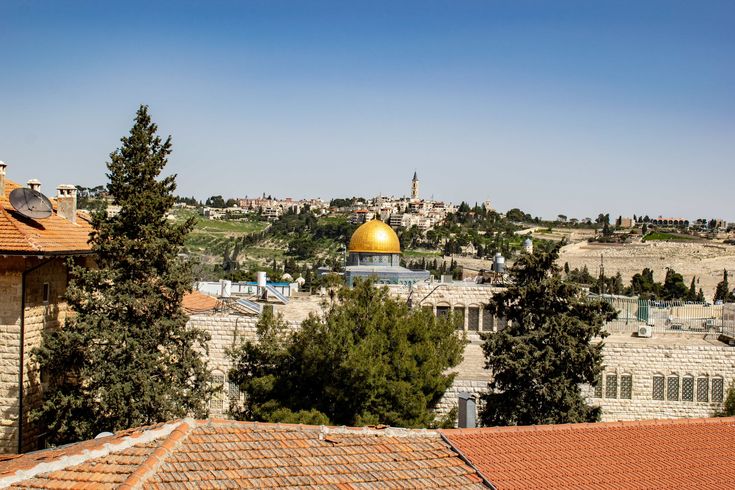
681	453
196	302
50	235
229	454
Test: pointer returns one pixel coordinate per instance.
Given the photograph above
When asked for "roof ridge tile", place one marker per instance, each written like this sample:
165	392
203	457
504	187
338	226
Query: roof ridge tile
148	467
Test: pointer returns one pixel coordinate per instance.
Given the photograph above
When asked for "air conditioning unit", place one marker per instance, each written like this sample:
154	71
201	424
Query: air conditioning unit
709	323
645	331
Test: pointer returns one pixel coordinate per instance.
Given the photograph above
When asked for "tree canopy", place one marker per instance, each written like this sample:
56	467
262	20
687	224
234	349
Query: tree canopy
369	359
547	350
126	357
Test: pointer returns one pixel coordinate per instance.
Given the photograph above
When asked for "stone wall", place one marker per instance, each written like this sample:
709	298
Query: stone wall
641	358
10	291
40	312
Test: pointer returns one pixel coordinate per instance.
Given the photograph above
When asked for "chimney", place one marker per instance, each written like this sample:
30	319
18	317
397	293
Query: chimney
34	185
467	411
66	202
2	178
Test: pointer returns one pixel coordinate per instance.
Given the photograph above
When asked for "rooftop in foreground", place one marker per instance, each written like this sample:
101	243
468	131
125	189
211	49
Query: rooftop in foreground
681	453
229	454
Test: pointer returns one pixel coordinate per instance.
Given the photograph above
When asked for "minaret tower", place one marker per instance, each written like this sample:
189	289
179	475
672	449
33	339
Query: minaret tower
415	187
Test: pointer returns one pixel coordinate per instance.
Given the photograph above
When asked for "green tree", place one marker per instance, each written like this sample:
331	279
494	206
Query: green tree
369	359
127	357
547	351
674	287
722	292
729	405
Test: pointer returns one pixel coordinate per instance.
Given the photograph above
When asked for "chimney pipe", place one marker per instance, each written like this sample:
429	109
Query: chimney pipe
2	179
34	184
66	202
467	411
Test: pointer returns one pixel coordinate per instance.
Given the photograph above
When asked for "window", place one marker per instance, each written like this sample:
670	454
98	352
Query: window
672	388
702	390
598	389
46	292
658	388
233	390
459	317
218	398
626	386
488	321
473	319
611	386
718	389
442	310
687	389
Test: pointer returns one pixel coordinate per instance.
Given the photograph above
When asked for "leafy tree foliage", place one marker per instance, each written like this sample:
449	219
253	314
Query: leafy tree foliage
547	350
723	292
369	359
216	202
127	358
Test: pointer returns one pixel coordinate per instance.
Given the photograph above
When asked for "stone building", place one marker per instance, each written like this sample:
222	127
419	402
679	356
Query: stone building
33	280
375	251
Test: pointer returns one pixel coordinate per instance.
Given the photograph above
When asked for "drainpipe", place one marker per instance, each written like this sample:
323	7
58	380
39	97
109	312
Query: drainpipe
22	348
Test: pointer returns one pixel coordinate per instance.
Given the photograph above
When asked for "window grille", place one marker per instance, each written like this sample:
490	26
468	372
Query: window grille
473	319
702	390
598	389
488	321
672	388
687	389
626	386
217	402
718	389
658	388
611	386
233	390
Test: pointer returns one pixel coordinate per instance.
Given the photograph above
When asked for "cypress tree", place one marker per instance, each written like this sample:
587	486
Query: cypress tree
126	357
547	351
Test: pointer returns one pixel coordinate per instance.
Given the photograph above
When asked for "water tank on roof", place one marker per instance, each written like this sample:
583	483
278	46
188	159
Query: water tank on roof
225	288
499	263
261	279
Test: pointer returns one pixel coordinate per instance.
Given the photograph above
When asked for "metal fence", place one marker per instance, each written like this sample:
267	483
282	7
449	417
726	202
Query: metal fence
670	316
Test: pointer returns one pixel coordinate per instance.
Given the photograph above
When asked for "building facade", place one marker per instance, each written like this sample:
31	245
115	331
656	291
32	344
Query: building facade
33	280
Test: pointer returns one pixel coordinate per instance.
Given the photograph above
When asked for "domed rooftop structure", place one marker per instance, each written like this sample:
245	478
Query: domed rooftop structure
375	251
375	237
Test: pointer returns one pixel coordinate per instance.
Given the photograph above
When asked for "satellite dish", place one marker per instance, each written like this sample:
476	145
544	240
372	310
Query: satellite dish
31	204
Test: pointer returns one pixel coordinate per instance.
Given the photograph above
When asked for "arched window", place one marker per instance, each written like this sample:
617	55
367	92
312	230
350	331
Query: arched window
672	388
718	389
702	389
658	387
687	388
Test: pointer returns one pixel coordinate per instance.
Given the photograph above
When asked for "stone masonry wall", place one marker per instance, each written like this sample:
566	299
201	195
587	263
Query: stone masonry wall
10	291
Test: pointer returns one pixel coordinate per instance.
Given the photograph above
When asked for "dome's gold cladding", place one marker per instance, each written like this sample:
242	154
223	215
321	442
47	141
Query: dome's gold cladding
375	236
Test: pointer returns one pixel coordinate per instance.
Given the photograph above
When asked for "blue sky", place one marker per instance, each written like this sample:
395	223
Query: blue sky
554	107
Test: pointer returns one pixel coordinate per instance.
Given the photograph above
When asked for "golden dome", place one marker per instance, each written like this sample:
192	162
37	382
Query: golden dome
375	237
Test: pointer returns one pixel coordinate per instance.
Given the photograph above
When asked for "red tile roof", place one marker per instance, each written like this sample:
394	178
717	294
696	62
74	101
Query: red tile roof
229	454
682	453
196	302
52	235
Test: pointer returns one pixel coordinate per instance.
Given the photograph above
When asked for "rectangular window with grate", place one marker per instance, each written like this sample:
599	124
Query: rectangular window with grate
488	321
218	399
687	389
598	389
626	386
672	388
718	389
473	319
233	390
658	388
611	386
702	390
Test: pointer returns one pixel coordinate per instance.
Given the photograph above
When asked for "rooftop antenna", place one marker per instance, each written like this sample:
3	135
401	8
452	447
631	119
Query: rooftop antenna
31	204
